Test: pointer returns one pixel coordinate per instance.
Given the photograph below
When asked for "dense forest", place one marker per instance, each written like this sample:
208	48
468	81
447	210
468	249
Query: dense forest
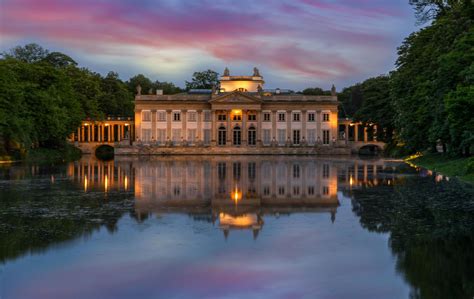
428	99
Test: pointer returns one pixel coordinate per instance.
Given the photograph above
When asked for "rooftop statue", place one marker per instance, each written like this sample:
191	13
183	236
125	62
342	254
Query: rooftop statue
333	90
226	72
139	90
256	72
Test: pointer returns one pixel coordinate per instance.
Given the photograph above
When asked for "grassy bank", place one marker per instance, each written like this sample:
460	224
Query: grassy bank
47	155
462	168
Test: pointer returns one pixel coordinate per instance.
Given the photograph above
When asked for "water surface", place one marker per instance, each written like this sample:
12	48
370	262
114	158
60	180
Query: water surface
234	227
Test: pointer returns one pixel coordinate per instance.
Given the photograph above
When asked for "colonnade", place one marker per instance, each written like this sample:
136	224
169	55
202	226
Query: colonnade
103	132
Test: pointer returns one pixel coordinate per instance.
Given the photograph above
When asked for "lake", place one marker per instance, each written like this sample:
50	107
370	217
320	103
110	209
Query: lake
234	227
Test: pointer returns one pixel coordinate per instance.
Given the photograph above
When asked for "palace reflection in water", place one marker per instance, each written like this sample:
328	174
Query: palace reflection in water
236	192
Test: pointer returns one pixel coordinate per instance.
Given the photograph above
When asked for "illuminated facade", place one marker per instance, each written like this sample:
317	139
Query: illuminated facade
238	114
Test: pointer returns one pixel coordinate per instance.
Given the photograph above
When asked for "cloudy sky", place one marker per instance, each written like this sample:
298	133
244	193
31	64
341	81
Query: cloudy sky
294	43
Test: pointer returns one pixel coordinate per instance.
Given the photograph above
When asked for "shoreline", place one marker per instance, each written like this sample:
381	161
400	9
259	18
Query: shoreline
456	167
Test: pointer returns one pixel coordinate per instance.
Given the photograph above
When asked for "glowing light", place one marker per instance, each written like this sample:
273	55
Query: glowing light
125	183
245	220
237	111
86	124
86	183
236	195
126	125
106	125
351	181
106	184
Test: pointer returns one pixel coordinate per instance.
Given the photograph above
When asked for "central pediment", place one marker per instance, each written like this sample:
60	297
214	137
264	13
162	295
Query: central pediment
236	97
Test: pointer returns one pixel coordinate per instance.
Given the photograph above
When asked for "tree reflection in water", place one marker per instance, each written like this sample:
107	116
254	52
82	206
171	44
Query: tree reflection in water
430	220
431	227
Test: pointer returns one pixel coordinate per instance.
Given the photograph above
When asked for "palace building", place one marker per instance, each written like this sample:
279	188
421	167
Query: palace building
240	113
239	116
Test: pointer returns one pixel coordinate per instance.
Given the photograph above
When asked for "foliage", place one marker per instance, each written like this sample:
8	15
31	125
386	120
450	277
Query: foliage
351	100
461	167
316	91
433	72
148	86
203	80
45	95
430	226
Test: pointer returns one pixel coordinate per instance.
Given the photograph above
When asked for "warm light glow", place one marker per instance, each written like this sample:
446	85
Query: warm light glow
125	183
106	125
106	184
351	181
351	124
86	183
245	220
236	195
237	111
86	124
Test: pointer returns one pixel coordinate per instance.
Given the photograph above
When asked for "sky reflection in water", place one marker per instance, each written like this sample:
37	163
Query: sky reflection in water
203	228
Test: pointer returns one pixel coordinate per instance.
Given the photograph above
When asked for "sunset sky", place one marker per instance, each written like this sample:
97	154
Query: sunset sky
294	43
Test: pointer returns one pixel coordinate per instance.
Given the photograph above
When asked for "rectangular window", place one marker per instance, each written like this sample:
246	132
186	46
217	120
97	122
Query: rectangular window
146	135
266	190
266	136
207	116
281	136
161	136
146	115
192	136
252	117
266	117
325	171
325	190
161	115
176	135
325	117
177	116
296	137
281	116
237	117
296	190
296	171
207	136
311	117
311	190
191	116
281	190
221	117
296	117
311	136
325	136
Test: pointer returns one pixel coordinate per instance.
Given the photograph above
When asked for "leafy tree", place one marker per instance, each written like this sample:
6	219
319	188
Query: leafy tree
167	87
351	100
59	60
316	91
116	99
203	80
377	106
29	53
141	80
431	64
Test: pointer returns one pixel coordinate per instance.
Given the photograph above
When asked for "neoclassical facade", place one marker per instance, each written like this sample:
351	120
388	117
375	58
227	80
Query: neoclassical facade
240	113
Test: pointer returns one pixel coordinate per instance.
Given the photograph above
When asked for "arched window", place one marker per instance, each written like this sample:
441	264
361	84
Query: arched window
222	136
252	136
237	136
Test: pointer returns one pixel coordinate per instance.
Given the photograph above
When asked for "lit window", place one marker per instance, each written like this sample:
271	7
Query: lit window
237	117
